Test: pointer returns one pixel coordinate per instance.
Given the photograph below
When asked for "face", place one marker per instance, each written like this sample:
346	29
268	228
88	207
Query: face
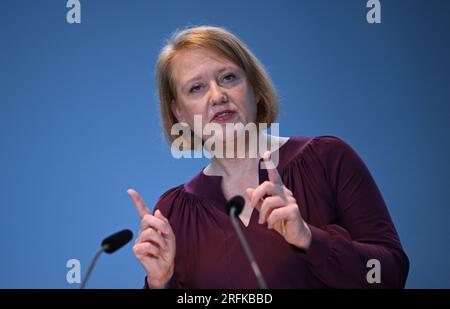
212	87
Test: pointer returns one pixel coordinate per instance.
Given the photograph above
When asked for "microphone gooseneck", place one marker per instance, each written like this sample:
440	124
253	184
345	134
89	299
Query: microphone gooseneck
234	207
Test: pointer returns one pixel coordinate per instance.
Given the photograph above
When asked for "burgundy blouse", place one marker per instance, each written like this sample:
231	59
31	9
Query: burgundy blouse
338	199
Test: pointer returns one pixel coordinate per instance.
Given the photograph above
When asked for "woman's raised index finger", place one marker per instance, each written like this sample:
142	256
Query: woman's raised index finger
141	207
272	171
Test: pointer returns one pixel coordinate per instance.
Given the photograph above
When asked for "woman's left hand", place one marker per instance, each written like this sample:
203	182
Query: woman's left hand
278	207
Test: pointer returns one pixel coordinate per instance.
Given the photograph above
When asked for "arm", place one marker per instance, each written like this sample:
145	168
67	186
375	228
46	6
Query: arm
338	253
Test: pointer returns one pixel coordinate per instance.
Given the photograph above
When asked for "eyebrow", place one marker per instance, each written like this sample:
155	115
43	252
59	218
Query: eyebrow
195	78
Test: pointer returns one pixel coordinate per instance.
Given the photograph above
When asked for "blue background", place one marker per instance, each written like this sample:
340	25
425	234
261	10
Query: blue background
79	119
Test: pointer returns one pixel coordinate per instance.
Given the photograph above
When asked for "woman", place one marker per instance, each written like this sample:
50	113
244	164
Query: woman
319	216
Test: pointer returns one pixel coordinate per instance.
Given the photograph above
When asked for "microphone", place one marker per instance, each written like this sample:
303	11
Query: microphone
109	245
234	207
116	241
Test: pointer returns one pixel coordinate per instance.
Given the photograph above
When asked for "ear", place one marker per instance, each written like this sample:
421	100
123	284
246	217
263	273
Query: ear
176	110
257	97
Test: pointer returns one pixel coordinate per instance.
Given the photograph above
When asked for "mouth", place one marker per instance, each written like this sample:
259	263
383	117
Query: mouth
223	116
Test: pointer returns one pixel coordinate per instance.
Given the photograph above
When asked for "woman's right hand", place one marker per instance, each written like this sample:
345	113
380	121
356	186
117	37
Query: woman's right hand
155	245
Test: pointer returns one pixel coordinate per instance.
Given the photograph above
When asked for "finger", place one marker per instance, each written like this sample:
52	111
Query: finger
278	215
159	215
272	171
266	188
249	193
269	204
144	249
150	235
156	223
141	207
170	234
289	192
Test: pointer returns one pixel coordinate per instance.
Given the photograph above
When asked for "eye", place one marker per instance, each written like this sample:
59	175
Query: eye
229	77
195	89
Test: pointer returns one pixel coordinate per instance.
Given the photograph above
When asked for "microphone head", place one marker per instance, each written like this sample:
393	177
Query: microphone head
117	241
237	202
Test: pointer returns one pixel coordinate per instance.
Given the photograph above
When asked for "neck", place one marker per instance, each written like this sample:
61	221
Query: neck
228	167
238	166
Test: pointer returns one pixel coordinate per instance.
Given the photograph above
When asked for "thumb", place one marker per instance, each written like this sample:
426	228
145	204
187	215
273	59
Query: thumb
159	215
249	193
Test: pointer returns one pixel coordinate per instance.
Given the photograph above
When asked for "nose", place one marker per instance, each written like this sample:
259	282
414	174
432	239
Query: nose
217	95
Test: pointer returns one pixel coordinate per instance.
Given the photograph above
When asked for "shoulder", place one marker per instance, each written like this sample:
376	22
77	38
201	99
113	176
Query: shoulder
178	201
168	201
317	163
318	149
323	157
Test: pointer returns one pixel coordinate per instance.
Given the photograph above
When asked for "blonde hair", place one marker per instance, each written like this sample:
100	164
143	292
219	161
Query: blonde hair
227	45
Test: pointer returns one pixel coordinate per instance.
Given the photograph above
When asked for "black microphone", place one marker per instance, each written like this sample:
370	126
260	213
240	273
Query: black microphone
109	245
234	207
116	241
